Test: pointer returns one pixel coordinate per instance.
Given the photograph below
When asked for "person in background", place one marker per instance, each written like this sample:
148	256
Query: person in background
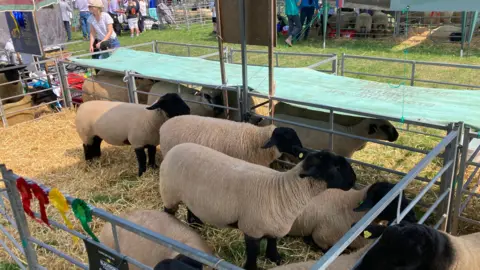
102	36
214	16
82	6
143	13
10	56
113	6
308	8
294	24
132	17
64	9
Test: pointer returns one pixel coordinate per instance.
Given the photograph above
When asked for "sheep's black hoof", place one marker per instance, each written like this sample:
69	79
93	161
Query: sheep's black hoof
276	258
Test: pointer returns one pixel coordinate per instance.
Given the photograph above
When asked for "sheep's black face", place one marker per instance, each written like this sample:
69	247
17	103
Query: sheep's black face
286	140
172	104
375	193
216	100
178	263
390	132
409	247
326	166
13	74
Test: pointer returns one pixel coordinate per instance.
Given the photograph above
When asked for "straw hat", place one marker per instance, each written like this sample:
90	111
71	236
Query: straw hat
95	3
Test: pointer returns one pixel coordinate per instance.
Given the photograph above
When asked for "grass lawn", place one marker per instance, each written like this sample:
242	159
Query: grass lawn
112	184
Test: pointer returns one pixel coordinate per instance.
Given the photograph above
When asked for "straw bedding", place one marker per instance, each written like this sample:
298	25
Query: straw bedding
50	151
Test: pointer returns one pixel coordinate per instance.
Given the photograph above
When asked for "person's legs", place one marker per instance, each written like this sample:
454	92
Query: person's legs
303	16
136	28
84	15
294	28
131	25
214	22
309	15
68	29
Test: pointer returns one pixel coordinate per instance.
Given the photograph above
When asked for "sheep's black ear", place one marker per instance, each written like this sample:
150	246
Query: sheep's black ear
365	205
285	139
172	104
372	129
180	262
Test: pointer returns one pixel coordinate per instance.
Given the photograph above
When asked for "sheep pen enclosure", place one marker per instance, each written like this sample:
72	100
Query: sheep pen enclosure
50	151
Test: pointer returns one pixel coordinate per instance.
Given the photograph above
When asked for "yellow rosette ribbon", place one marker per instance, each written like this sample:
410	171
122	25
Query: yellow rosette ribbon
60	202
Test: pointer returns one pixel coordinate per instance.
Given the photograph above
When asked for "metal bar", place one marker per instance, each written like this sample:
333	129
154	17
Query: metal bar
208	55
187	44
459	178
345	241
349	111
2	113
271	38
132	87
67	96
323	62
424	190
115	237
349	135
288	53
58	253
277	63
437	225
335	65
105	83
110	50
412	76
10	252
434	205
418	132
374	75
475	153
331	122
243	39
20	219
12	239
193	101
35	107
378	58
476	222
445	184
447	83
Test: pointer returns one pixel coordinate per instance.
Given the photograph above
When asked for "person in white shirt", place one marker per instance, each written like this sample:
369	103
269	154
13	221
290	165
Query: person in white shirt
102	36
65	9
10	56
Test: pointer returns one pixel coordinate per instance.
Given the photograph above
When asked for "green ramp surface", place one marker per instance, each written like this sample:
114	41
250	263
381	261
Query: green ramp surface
428	105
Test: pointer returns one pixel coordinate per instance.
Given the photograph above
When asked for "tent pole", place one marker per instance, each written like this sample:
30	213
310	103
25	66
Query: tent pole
221	54
464	22
325	15
243	40
271	37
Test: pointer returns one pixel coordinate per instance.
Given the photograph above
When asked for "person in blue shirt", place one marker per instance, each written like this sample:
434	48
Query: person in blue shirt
293	15
308	8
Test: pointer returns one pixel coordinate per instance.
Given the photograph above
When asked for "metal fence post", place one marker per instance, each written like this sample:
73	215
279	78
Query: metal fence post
131	87
67	97
412	77
276	60
335	64
2	112
450	154
459	181
20	219
186	17
342	65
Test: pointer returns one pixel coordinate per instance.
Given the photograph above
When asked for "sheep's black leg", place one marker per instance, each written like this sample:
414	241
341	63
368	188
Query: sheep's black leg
311	243
97	141
87	150
192	219
142	160
170	211
252	246
152	150
272	251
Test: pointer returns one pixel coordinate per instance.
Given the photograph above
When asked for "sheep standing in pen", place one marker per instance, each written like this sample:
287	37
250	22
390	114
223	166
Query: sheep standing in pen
363	24
187	93
110	86
261	202
331	213
119	123
11	89
419	247
258	145
370	128
148	252
379	24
